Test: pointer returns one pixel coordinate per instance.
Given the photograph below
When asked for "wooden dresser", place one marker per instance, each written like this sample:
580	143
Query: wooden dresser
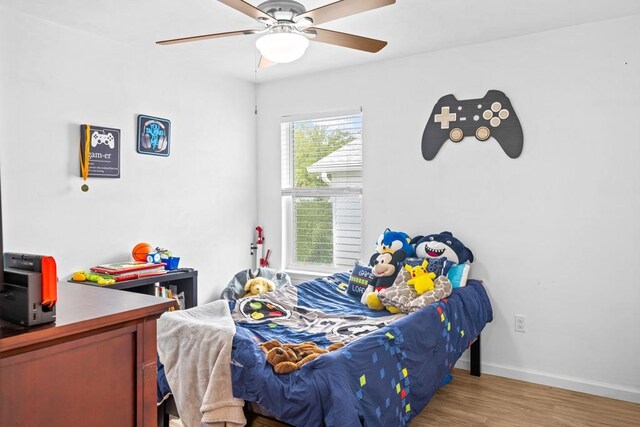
96	366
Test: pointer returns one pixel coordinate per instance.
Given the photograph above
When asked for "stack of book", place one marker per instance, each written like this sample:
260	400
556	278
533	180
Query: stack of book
167	292
128	270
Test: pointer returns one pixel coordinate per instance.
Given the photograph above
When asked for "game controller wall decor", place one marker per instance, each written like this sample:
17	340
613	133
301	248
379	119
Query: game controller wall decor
490	116
154	135
104	151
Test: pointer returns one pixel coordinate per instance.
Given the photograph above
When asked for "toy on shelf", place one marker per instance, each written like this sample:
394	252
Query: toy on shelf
144	252
140	251
79	276
165	256
164	253
100	279
153	258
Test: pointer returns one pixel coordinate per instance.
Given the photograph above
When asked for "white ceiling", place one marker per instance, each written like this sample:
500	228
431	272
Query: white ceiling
410	27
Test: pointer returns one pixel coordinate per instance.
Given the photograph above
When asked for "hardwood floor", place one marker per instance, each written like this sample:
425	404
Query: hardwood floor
496	401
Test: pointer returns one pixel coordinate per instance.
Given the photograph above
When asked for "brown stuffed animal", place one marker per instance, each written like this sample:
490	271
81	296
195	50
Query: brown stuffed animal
258	285
286	358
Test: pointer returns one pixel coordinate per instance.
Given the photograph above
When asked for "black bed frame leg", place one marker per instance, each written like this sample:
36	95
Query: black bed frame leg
163	416
475	358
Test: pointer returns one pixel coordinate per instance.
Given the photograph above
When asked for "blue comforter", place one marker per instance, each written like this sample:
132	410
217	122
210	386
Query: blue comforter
382	378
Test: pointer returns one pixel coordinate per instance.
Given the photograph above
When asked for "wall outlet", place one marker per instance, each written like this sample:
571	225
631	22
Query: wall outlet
521	323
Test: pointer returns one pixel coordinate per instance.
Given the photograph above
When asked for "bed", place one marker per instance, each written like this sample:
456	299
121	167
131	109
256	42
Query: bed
389	369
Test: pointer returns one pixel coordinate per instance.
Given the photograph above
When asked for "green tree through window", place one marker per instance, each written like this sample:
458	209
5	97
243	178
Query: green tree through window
314	232
314	216
312	143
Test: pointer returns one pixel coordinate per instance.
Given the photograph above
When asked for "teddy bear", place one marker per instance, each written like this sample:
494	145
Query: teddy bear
258	285
286	358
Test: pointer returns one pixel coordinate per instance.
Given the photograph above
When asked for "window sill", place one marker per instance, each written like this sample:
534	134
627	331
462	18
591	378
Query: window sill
298	276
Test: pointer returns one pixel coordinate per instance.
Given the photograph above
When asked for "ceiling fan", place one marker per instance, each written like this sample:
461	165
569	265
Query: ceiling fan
287	28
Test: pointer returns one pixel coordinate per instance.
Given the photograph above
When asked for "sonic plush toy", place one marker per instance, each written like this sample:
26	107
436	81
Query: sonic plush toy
392	241
442	245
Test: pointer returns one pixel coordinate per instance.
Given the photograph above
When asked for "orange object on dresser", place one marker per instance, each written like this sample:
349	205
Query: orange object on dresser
140	251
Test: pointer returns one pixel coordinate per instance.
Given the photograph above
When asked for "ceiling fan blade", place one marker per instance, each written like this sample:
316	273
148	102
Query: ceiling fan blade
265	63
342	8
206	37
346	40
249	10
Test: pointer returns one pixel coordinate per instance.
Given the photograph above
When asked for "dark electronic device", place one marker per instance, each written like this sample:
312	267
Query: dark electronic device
29	294
1	247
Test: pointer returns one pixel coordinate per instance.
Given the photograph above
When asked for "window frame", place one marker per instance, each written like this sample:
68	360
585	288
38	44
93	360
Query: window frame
288	193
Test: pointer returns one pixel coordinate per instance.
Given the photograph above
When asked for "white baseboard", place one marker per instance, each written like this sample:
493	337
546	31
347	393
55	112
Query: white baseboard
628	394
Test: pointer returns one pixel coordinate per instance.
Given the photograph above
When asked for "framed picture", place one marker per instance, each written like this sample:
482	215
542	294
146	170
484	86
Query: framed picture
104	150
154	135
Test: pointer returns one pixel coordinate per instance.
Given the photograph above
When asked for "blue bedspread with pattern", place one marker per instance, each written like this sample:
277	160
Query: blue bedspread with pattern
384	376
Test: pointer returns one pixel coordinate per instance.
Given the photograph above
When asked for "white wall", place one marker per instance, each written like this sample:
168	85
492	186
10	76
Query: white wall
199	202
555	232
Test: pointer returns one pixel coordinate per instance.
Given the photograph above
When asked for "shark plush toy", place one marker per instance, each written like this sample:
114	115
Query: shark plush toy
442	245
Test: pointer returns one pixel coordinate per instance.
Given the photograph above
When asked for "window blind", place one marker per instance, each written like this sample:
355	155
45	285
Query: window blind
322	181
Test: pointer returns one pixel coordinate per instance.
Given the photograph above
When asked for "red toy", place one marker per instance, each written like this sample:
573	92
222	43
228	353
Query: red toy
257	247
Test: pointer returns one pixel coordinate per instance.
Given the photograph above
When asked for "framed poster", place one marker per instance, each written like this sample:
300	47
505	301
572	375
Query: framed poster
154	135
104	151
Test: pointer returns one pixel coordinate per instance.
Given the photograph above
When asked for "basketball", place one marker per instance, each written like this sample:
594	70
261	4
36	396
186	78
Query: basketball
140	251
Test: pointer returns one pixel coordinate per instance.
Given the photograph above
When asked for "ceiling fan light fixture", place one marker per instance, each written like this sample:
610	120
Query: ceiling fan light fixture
282	46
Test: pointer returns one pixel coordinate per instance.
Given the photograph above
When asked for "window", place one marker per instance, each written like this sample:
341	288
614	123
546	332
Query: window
322	191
